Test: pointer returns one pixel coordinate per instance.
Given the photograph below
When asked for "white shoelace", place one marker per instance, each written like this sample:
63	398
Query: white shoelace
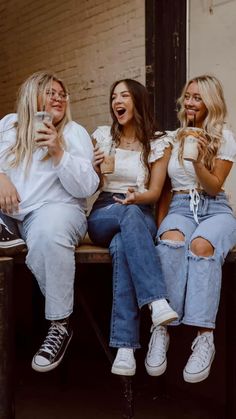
54	338
200	348
157	342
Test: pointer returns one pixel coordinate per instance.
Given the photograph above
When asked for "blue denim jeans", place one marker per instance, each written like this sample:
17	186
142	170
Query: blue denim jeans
128	230
194	282
51	233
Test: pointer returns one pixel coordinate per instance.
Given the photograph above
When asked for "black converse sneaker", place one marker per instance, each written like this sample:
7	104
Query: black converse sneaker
52	350
10	243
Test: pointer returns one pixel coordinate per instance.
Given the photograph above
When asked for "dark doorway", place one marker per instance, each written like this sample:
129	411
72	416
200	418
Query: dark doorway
165	57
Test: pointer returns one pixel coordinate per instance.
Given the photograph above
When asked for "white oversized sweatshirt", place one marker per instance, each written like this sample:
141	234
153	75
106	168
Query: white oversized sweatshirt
71	181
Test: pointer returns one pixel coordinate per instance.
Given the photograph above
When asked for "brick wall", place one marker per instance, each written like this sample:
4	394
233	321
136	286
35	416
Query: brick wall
88	43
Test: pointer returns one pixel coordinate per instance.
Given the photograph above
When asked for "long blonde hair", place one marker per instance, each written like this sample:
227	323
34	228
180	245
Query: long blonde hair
211	92
27	105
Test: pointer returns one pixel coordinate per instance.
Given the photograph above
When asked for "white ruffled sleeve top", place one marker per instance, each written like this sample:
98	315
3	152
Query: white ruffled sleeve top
129	168
183	177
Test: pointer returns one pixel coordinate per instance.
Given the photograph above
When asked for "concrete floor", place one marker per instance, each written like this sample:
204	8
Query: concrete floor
83	387
94	395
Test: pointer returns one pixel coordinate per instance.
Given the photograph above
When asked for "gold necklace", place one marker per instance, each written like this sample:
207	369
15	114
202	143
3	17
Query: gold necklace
131	144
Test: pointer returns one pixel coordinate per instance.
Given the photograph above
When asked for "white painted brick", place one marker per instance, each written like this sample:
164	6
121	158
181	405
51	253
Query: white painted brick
89	43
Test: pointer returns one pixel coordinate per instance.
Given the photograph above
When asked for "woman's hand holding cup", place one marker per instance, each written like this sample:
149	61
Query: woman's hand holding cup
98	157
195	144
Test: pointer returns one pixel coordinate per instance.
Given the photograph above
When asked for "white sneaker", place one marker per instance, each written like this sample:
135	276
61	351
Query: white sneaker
161	312
124	363
155	361
199	364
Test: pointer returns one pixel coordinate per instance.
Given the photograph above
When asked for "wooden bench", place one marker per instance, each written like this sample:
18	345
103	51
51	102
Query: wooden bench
88	253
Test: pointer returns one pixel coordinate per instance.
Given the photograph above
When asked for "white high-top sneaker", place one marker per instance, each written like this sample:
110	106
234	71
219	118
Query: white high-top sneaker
161	312
155	361
199	364
124	363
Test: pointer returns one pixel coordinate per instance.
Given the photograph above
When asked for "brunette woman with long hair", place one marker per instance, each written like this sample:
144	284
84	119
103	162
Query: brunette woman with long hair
122	217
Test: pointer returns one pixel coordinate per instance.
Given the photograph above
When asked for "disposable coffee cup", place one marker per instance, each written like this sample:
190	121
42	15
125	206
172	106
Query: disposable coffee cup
108	164
190	151
39	119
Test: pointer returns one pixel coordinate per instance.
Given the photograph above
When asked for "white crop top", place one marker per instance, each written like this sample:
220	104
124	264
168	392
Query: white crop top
129	168
184	177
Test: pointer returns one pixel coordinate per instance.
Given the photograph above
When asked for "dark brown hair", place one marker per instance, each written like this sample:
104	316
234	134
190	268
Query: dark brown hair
143	117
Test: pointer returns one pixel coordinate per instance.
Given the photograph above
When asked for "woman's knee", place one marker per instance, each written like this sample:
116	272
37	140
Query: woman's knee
131	211
201	247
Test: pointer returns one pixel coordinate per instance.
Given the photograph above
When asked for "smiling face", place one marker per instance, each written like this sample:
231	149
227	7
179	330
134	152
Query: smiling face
55	101
195	108
122	104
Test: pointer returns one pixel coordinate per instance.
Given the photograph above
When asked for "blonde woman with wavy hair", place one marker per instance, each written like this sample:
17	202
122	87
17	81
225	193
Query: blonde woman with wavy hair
200	227
45	176
37	84
213	124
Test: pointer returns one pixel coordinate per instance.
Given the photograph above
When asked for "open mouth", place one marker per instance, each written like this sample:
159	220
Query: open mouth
120	112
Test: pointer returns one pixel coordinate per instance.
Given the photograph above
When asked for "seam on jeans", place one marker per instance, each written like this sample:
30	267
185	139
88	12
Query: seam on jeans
199	258
114	269
210	325
150	300
43	289
59	316
124	345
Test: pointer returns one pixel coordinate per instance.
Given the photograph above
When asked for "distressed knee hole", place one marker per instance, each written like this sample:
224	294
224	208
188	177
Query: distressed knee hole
201	247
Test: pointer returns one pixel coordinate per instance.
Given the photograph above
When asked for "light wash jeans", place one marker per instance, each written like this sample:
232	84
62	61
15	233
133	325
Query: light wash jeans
128	230
194	282
51	233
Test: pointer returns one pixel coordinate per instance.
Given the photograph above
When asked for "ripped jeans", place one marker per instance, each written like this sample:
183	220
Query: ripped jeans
194	282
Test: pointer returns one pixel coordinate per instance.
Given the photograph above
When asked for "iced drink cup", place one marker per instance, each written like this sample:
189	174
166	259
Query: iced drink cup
191	135
108	164
39	119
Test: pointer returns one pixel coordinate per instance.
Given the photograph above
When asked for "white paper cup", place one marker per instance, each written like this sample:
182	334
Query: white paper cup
39	119
190	151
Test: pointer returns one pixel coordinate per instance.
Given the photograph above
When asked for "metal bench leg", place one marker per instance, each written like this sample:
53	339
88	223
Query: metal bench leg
128	397
230	275
6	340
126	382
